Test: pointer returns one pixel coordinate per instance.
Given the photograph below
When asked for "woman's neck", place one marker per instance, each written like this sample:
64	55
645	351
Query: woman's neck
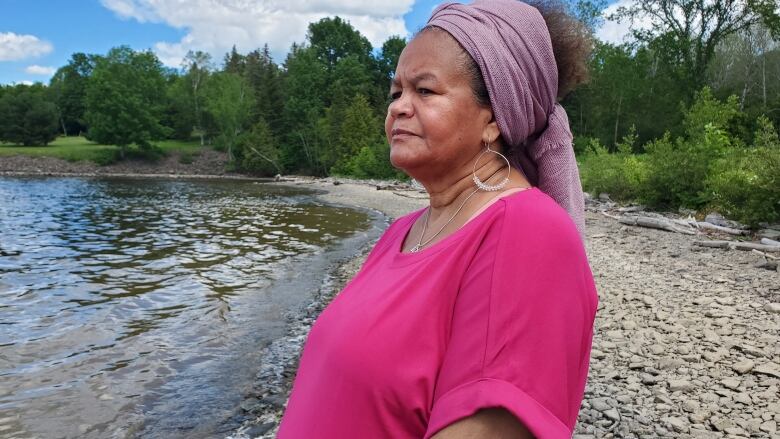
447	196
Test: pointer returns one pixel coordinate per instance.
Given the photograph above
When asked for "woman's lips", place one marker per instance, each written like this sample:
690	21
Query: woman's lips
398	133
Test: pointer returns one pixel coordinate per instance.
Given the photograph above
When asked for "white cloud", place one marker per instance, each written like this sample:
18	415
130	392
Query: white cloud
14	47
617	33
40	70
214	26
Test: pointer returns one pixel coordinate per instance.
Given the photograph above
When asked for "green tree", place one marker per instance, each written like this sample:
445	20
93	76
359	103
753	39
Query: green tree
304	84
258	151
26	116
198	67
264	76
233	62
69	86
125	99
229	101
333	39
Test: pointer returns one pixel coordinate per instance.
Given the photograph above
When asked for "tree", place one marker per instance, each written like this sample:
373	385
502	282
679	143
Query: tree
229	102
233	62
198	67
691	30
26	116
264	76
258	150
69	85
304	84
333	39
125	99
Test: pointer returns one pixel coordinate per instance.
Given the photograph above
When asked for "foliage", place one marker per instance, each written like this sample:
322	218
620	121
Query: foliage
229	102
707	168
69	87
27	116
259	153
125	100
620	174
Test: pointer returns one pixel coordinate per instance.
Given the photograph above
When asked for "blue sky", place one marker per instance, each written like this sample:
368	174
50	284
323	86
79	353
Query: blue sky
38	36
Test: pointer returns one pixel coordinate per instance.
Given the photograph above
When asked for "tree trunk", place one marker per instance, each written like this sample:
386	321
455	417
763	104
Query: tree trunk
617	121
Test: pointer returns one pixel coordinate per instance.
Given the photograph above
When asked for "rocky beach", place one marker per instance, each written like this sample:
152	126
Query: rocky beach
686	341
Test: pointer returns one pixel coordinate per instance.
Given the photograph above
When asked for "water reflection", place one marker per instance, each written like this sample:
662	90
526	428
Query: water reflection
108	288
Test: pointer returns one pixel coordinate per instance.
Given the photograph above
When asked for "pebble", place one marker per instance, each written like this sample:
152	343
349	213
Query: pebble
744	366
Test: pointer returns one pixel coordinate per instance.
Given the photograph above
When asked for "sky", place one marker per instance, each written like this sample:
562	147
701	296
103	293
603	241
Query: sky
39	36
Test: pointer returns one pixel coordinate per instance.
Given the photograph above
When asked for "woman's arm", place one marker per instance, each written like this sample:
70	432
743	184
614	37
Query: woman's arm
492	423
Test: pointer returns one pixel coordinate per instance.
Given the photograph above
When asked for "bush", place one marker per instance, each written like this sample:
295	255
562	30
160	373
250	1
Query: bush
369	162
745	183
620	174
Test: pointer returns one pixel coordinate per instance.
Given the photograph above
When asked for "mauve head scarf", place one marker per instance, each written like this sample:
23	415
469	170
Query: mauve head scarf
510	43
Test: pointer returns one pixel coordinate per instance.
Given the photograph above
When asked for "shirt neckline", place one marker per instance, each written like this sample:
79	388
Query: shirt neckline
402	257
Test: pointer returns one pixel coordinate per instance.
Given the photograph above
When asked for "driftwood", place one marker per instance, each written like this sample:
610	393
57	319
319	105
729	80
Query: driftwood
767	241
736	245
760	253
710	226
656	223
629	209
391	186
416	196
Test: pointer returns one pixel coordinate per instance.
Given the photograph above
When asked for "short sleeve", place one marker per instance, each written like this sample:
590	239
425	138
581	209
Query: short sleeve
522	326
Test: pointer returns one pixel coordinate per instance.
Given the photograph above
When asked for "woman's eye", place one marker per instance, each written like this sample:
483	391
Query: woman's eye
423	91
395	95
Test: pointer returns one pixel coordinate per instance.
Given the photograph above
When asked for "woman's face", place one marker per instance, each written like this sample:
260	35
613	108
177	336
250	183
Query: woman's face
434	124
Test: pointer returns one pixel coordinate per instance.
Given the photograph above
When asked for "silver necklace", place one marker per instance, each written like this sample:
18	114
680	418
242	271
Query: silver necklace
420	243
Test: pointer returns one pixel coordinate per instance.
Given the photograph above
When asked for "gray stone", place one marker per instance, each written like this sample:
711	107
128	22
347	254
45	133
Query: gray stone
743	366
770	369
612	414
772	308
731	383
680	385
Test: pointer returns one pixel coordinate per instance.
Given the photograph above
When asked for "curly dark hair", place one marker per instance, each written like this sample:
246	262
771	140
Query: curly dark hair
572	44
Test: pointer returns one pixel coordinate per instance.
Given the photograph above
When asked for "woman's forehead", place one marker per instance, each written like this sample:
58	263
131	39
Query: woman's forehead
431	55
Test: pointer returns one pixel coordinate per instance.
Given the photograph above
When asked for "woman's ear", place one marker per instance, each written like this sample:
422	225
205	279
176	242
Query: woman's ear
491	132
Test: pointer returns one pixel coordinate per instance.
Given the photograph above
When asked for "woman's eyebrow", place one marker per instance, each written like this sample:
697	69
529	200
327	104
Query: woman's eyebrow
415	79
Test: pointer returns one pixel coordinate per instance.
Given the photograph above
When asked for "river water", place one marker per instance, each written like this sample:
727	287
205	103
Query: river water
138	308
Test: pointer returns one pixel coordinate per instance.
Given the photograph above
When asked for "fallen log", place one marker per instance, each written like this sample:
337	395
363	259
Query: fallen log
415	195
735	245
767	241
760	253
729	230
655	223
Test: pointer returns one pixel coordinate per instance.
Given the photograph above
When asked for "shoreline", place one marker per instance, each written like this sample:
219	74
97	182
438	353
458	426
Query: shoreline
267	401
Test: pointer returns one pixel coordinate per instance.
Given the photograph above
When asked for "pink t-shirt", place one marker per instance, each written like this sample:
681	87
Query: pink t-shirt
498	314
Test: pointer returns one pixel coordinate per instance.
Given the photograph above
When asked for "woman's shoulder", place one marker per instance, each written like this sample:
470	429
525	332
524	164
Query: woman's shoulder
538	217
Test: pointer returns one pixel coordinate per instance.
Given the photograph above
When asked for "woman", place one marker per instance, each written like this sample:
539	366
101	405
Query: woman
472	317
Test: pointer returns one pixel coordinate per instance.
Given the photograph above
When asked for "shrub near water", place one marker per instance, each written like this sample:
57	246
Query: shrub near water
708	169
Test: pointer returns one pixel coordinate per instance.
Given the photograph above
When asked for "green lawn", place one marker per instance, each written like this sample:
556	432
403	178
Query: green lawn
79	148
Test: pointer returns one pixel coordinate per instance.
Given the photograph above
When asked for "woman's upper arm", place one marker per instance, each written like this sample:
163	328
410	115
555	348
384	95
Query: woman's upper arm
493	423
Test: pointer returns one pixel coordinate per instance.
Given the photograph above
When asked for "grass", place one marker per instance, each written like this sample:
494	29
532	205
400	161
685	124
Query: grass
78	148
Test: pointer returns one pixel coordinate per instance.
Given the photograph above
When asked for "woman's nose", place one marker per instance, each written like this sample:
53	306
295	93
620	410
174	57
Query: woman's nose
400	107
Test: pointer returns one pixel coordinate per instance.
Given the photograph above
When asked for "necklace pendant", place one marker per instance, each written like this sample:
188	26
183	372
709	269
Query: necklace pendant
416	248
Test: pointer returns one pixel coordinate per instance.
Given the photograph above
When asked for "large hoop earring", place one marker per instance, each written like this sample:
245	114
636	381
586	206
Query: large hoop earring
487	187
